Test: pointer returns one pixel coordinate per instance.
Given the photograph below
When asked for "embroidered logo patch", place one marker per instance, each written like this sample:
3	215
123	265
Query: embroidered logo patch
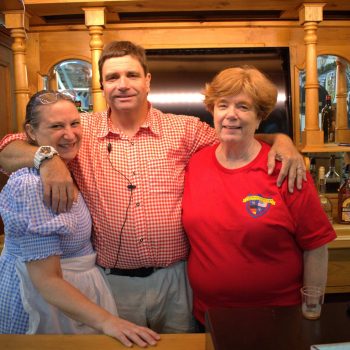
257	205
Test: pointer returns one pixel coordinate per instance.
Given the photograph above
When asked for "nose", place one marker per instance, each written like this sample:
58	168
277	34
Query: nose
123	83
69	133
231	112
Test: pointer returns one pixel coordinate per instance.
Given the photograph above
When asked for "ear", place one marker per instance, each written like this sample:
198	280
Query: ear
30	132
148	81
258	124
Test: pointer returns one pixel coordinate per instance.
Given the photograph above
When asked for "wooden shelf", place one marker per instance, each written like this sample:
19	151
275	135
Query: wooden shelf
343	237
326	148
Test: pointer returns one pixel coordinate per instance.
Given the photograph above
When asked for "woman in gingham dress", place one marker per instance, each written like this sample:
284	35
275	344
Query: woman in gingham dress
47	267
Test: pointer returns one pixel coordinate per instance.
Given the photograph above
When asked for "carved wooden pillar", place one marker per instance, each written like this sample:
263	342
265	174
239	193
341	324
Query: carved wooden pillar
342	133
53	85
18	23
95	21
309	16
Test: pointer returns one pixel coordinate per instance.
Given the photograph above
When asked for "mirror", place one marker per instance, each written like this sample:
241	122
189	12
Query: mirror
75	75
327	79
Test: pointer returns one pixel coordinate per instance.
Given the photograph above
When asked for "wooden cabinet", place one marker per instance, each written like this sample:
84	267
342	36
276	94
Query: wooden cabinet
312	142
339	261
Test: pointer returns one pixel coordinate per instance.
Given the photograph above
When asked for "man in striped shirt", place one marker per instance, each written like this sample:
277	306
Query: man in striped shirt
130	169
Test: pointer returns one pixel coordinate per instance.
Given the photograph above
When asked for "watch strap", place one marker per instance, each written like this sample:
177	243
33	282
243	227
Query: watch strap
43	153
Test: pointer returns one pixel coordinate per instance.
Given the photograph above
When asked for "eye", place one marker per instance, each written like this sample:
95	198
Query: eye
76	123
56	126
133	75
243	107
112	77
221	105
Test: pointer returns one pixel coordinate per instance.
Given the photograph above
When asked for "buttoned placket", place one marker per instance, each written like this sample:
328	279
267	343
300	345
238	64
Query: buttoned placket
139	220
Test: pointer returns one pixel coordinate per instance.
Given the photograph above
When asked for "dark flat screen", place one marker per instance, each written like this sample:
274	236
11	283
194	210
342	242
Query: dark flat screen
179	75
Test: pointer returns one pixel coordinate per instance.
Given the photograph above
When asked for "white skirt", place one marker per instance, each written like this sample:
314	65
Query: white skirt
83	274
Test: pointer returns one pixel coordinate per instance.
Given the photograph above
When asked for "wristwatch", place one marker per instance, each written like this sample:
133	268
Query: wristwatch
43	152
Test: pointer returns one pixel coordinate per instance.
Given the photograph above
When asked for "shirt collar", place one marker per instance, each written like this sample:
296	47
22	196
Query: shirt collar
104	121
151	123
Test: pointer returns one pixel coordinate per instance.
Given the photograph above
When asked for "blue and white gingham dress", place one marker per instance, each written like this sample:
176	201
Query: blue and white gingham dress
33	232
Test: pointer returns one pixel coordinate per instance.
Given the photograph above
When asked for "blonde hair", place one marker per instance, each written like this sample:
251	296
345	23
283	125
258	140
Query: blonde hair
246	79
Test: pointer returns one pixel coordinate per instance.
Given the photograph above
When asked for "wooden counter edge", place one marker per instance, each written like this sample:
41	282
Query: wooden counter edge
190	341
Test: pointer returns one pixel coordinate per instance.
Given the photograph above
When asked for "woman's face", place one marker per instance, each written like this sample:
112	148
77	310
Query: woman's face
235	118
59	127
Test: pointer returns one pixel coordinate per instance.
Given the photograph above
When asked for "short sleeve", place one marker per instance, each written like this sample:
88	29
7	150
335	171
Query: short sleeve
203	135
36	228
313	228
8	139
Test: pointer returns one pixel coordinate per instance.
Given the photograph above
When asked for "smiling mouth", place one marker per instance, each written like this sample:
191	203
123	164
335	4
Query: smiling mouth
232	127
122	97
68	145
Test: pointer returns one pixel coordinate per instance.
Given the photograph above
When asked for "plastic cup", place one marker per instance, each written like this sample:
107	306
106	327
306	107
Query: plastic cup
311	301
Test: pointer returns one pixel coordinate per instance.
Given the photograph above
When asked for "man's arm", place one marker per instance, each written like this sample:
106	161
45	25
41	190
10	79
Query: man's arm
17	155
57	180
283	149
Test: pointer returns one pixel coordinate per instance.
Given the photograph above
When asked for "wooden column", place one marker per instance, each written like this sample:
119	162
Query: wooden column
18	23
53	85
342	133
310	14
95	21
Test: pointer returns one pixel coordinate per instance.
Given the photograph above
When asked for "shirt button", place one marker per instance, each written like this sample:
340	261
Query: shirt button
134	172
141	240
138	204
131	143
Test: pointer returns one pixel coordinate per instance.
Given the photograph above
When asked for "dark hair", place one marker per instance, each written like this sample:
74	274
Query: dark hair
247	79
120	49
33	113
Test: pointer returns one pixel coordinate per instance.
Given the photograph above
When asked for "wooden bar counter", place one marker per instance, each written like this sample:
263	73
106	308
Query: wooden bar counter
276	328
95	342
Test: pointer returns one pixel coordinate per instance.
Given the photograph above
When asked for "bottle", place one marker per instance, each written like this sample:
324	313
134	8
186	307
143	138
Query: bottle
313	171
328	126
325	202
78	105
331	131
344	198
332	177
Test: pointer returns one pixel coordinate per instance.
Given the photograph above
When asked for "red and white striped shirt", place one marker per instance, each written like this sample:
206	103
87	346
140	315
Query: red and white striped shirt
153	160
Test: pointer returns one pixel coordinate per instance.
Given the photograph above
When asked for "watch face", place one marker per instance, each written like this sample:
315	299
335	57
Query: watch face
45	149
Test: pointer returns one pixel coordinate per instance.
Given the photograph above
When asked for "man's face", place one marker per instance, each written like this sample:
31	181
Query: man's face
125	85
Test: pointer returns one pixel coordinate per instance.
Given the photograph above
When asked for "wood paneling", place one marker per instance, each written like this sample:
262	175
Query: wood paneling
5	98
7	104
285	9
338	271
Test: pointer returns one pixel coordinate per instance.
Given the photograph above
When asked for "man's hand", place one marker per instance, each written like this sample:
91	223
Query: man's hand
58	185
293	164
